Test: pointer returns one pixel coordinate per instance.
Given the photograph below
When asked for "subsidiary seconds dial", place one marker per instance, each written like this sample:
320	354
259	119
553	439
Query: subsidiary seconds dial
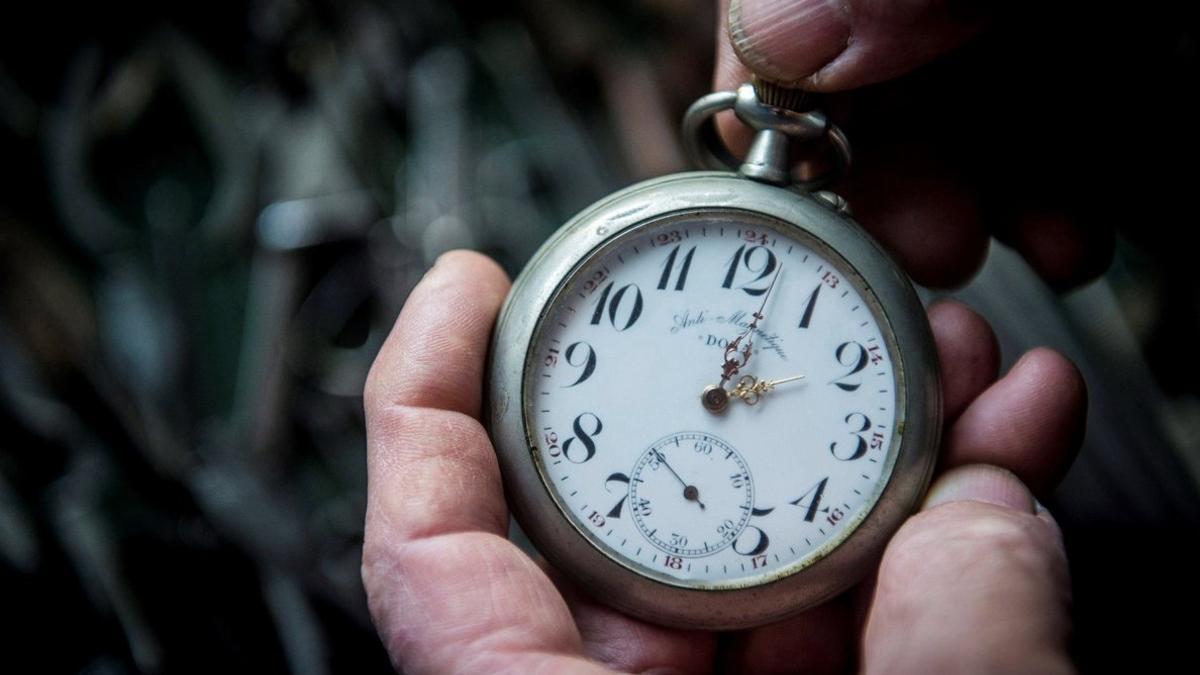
691	494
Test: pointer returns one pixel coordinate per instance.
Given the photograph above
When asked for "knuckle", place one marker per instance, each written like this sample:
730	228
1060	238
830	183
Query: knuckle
373	386
972	535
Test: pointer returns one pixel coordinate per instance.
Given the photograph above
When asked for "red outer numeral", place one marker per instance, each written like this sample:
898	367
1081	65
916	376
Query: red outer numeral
663	238
552	443
673	562
834	516
874	353
593	283
754	237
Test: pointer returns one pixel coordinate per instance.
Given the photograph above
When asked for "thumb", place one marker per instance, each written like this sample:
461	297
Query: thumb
831	45
977	582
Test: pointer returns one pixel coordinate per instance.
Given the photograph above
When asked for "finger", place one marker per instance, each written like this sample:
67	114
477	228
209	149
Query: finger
922	212
977	582
834	45
728	75
817	641
920	209
629	645
1060	249
427	382
967	352
445	588
434	357
1030	421
729	69
917	207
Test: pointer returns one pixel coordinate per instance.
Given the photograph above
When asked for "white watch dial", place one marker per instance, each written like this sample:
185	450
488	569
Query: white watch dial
682	492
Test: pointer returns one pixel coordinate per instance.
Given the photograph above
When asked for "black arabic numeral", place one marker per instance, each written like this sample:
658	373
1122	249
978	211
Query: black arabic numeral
634	312
855	363
584	437
761	542
733	266
600	302
860	443
588	364
745	257
806	318
615	512
817	491
669	267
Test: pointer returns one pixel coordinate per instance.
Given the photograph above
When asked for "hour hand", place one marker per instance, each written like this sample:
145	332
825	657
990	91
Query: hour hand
750	389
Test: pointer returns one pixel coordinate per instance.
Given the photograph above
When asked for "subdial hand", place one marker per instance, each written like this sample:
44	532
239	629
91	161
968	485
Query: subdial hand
690	492
750	389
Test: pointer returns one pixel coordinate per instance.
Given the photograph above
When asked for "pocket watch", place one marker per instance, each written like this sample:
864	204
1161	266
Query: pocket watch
713	396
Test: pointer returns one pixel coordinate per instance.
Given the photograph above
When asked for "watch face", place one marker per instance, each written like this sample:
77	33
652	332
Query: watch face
675	480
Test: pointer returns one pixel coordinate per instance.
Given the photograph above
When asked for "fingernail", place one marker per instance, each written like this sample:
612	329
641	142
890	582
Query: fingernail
1040	509
443	257
437	263
788	40
981	483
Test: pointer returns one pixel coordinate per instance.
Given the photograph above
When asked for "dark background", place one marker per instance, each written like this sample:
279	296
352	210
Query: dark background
211	213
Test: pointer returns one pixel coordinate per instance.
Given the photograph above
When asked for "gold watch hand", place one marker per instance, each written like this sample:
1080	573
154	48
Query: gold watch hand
732	363
784	380
750	389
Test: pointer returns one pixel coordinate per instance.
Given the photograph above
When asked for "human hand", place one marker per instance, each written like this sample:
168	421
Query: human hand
975	582
955	153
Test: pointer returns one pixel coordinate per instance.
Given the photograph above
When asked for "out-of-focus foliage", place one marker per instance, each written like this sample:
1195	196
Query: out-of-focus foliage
211	216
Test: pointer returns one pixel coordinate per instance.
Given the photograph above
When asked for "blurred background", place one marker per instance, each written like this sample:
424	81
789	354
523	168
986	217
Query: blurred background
211	213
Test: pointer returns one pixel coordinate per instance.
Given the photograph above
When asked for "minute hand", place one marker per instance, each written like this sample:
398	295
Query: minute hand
733	364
